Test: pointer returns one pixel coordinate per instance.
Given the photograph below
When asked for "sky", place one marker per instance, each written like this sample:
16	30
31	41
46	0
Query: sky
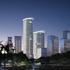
53	16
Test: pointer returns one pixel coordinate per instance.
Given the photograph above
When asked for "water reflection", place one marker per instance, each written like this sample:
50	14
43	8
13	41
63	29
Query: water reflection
33	66
36	66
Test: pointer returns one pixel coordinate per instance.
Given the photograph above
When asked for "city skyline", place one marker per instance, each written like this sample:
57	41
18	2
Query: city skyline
51	16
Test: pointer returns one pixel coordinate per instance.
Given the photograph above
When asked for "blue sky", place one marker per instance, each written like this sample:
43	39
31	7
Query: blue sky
53	16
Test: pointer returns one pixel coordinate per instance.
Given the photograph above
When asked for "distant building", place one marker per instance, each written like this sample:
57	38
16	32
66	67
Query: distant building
65	45
18	43
66	34
27	38
52	45
65	42
10	43
9	40
38	42
61	45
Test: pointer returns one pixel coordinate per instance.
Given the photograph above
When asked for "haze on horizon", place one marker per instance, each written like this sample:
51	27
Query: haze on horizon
53	16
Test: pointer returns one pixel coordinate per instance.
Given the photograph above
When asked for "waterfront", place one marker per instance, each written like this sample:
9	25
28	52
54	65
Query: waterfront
39	67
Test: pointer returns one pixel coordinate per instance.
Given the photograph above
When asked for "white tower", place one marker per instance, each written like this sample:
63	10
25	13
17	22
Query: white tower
27	38
38	42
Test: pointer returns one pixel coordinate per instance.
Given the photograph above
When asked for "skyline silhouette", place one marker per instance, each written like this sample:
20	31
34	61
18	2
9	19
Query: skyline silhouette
51	16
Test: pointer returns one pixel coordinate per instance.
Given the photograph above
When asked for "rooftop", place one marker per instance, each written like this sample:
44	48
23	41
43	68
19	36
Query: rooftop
29	18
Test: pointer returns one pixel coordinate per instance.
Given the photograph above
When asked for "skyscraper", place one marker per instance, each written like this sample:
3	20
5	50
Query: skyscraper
10	43
17	40
27	38
65	41
61	45
64	45
66	34
9	40
52	45
38	42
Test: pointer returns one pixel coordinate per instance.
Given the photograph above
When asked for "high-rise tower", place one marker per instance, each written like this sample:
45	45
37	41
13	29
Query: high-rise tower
66	34
52	45
38	43
65	41
27	38
17	40
10	44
